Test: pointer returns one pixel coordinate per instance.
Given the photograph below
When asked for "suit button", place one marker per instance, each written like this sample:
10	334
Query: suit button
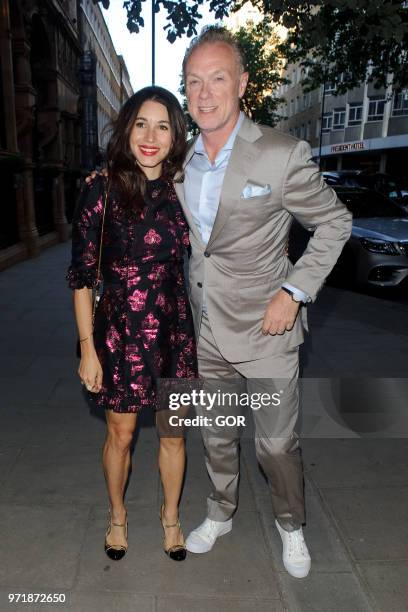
206	254
199	285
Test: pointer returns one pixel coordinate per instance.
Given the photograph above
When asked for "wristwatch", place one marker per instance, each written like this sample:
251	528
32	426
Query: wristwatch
295	298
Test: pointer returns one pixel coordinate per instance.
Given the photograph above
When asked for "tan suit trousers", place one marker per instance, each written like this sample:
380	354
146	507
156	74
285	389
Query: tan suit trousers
276	443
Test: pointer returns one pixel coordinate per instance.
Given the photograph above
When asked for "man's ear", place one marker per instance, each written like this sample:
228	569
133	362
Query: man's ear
243	82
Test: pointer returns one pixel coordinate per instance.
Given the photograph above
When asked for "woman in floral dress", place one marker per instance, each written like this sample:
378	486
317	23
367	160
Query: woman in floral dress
143	329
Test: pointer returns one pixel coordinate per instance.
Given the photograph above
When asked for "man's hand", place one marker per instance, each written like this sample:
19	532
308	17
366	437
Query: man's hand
280	314
90	177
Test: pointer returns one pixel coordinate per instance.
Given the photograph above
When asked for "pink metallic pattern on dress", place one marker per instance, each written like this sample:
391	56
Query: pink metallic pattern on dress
137	300
164	303
152	237
143	325
149	330
113	339
133	275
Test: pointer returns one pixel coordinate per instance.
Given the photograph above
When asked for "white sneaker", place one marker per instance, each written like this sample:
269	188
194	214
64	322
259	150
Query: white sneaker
202	539
295	555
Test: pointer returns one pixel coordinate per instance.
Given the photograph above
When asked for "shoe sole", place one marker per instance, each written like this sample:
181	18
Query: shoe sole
293	573
199	550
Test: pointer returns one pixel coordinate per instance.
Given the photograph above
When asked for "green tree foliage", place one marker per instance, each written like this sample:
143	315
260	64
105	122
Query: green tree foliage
332	37
337	40
264	65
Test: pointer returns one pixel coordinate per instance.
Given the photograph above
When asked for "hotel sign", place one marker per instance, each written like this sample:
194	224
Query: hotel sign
343	148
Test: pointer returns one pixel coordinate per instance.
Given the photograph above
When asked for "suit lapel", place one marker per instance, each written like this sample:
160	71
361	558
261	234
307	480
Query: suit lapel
243	155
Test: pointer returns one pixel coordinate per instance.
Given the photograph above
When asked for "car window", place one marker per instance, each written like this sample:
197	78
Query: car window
351	181
369	204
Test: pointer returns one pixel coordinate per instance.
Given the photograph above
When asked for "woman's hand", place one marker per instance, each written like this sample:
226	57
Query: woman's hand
94	173
90	372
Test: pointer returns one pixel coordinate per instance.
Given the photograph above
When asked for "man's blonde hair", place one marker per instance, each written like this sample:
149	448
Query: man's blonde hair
212	34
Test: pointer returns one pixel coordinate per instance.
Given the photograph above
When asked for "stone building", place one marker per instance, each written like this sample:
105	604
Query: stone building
40	124
61	83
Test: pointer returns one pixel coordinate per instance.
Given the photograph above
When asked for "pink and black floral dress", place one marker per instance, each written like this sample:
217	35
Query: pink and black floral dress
143	325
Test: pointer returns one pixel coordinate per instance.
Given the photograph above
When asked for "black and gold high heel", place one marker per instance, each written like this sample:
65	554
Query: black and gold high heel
177	552
116	551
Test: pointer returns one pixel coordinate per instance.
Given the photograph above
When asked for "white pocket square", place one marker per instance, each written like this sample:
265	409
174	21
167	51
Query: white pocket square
253	190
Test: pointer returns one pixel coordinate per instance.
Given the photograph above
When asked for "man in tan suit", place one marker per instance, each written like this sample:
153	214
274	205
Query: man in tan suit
242	185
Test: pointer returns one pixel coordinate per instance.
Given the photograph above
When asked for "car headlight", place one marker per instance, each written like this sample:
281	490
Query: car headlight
379	246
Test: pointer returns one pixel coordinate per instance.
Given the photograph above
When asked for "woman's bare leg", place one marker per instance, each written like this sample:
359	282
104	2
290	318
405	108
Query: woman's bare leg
116	464
172	459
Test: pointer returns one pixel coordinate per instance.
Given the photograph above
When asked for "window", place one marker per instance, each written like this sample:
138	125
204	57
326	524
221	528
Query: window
308	130
355	114
304	102
327	122
329	87
291	107
400	106
339	117
376	109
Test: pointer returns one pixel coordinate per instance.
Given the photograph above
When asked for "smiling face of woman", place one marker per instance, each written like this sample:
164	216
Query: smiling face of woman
151	139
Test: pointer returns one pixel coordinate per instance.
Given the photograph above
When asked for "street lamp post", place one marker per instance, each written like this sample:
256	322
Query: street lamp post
321	124
153	40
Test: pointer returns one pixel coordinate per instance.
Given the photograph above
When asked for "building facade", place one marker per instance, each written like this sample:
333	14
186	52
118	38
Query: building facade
61	83
364	129
105	83
39	125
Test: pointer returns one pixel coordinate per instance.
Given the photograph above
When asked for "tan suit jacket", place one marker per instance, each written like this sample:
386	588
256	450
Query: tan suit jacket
244	263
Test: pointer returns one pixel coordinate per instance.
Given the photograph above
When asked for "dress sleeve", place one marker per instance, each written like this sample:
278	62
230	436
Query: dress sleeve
183	226
86	224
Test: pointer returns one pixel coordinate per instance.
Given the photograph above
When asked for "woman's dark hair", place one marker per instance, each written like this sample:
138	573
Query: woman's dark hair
124	173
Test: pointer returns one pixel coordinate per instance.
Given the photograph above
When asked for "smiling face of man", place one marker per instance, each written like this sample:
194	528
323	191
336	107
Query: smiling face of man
214	86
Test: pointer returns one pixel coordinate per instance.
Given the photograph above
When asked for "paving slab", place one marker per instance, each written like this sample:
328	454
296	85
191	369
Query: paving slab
8	457
356	463
43	545
62	475
24	389
339	592
373	521
388	584
46	366
209	604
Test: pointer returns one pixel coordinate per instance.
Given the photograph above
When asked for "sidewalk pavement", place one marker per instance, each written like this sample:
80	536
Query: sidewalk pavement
53	502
